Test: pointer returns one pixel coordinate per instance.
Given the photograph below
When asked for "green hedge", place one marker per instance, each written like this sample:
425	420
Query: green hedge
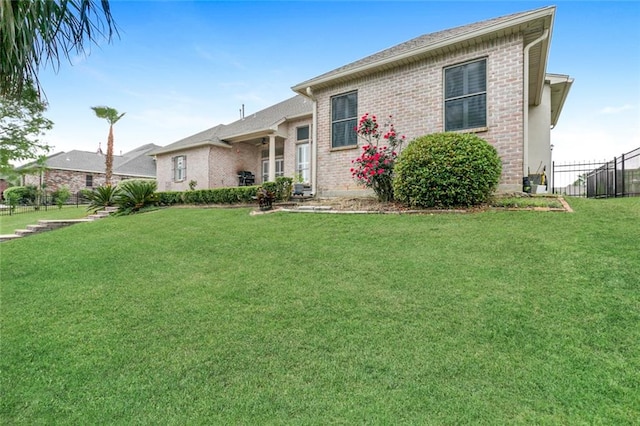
281	189
233	195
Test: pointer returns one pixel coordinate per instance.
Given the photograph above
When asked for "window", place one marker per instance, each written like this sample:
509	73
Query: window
465	98
179	168
344	111
88	181
279	168
302	153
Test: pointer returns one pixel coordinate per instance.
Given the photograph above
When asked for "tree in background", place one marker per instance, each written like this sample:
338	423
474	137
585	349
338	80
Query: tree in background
35	32
21	125
112	116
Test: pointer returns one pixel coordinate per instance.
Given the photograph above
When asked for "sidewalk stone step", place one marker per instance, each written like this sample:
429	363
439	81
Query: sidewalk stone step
44	225
37	228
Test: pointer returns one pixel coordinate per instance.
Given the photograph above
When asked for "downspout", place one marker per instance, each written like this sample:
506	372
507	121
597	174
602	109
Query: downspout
314	142
525	104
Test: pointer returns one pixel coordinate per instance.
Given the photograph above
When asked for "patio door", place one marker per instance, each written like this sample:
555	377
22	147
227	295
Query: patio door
303	161
279	168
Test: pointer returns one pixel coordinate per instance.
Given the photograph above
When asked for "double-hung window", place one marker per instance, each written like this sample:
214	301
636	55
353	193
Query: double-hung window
465	97
344	111
179	168
303	159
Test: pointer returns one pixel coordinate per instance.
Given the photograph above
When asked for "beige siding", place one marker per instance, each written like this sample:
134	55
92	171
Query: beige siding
540	134
413	94
197	169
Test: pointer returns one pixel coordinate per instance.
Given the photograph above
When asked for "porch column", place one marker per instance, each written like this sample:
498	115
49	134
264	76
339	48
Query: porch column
272	158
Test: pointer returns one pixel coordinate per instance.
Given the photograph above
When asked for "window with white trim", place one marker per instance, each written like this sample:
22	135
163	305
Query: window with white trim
303	158
279	168
465	96
88	180
179	168
344	112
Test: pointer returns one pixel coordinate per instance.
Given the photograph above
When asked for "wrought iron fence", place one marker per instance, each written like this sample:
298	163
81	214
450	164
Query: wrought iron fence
40	203
619	177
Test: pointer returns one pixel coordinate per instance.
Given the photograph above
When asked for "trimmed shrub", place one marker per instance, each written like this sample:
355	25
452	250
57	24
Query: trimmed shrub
21	194
232	195
447	170
169	198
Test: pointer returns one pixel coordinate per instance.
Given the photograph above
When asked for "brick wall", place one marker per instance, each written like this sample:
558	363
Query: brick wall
54	179
413	94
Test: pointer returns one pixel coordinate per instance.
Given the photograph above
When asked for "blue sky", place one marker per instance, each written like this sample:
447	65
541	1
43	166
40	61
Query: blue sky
180	67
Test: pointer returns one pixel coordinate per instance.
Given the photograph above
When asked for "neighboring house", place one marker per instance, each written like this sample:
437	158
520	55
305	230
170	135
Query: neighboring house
270	143
3	185
487	78
86	170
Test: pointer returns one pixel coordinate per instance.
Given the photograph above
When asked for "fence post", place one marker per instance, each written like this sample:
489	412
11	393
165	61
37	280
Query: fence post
553	177
622	193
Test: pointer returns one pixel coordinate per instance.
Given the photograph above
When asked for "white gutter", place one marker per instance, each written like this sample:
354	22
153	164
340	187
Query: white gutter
525	104
314	142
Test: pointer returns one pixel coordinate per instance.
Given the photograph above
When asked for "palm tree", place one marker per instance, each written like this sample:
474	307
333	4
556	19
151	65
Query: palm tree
112	116
35	32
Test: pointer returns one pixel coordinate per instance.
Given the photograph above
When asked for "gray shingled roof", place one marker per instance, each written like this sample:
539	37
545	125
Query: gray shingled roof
133	163
429	44
268	118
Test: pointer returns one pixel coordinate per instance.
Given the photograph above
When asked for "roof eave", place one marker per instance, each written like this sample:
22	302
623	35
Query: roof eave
209	142
560	87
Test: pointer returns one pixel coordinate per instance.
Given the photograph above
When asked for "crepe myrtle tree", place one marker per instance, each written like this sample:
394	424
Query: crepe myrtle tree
112	116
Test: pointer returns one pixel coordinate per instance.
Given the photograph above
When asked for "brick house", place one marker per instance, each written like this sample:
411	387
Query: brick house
488	78
86	170
257	148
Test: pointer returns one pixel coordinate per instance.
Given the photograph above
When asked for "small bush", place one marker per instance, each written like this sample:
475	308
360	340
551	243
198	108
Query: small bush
284	188
21	194
61	196
447	170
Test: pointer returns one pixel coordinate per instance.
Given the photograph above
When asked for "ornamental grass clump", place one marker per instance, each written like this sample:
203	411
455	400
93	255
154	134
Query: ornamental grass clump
374	167
447	170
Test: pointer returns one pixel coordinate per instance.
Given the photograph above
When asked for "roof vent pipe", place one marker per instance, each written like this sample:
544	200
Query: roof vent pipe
525	103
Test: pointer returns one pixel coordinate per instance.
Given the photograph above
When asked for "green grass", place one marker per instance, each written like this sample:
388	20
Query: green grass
8	224
210	316
521	202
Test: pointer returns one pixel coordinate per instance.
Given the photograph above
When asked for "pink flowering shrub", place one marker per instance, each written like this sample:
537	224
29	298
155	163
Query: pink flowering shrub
374	167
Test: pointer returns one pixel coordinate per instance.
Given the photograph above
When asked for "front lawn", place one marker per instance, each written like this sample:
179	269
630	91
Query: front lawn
212	316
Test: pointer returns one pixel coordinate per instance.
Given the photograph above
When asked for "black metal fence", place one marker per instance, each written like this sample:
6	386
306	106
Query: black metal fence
40	203
619	177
